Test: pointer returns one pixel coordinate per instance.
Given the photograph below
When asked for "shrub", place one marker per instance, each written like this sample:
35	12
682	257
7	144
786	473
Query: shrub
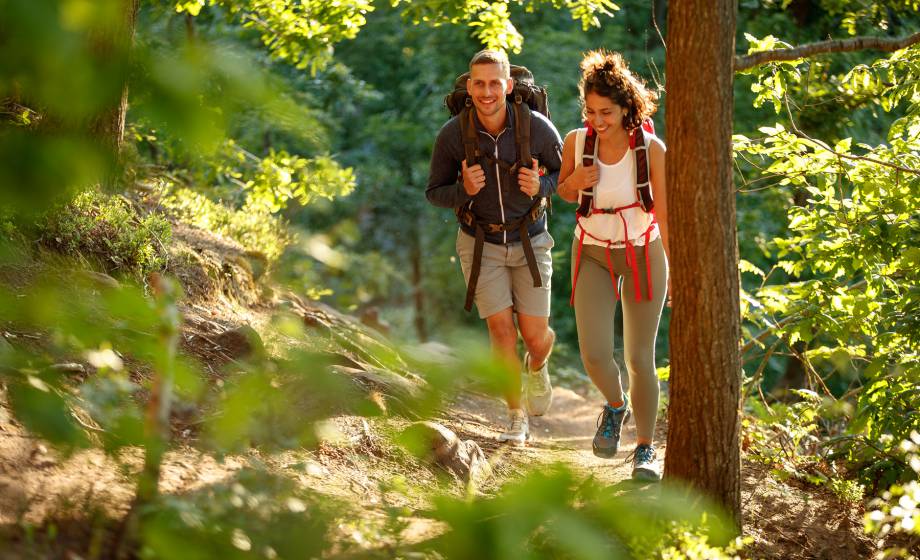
255	229
107	230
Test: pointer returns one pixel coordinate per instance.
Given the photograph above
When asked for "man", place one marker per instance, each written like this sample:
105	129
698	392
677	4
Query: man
497	201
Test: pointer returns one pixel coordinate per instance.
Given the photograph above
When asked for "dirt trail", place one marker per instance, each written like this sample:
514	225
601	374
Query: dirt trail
563	435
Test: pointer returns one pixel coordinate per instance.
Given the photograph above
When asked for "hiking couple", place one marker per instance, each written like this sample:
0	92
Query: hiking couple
497	163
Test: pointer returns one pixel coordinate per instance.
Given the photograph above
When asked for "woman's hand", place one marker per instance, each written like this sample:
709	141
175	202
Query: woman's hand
582	178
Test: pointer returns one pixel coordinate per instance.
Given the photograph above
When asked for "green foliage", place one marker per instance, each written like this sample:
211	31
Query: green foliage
792	438
107	398
791	425
692	544
81	321
41	406
553	513
108	231
254	227
337	264
272	182
492	20
301	33
841	290
897	511
8	229
254	515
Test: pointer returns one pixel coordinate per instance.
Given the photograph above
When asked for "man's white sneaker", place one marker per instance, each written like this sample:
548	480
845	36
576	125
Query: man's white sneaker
538	391
519	429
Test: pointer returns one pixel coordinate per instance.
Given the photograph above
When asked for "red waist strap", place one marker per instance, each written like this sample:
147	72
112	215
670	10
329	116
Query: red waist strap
630	253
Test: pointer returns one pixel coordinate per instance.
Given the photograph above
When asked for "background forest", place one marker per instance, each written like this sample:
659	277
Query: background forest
301	132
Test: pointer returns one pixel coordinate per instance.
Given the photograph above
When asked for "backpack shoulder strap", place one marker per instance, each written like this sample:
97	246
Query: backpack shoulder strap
469	135
639	143
585	155
522	131
579	144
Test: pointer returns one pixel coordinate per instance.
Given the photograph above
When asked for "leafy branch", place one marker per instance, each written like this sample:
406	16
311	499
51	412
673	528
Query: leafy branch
744	62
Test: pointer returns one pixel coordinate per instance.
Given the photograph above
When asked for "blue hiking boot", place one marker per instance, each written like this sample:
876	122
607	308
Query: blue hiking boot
609	425
645	464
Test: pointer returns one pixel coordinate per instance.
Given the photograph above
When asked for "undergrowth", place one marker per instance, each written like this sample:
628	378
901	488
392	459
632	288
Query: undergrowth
107	231
256	229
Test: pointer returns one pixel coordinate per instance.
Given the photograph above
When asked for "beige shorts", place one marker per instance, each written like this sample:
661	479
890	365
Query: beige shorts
504	278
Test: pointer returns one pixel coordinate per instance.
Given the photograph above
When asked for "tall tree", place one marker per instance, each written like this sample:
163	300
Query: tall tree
703	416
112	42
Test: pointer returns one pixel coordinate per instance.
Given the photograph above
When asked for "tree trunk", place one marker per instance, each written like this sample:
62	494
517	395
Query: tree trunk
703	430
112	44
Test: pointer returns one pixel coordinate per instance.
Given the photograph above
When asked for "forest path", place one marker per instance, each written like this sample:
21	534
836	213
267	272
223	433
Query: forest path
788	520
562	435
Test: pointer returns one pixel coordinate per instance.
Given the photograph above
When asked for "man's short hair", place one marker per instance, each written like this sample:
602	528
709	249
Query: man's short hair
487	56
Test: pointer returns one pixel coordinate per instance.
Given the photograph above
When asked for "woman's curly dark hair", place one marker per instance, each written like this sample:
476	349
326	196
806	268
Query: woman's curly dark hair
606	73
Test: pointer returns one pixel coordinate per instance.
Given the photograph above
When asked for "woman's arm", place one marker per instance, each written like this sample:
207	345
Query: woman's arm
565	192
574	178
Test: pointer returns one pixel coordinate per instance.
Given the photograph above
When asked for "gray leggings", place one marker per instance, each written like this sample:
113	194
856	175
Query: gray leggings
595	306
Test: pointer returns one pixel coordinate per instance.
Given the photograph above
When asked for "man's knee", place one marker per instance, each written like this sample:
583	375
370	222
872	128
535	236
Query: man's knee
537	340
502	332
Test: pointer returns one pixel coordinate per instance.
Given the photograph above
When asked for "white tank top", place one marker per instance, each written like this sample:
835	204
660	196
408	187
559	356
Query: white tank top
616	187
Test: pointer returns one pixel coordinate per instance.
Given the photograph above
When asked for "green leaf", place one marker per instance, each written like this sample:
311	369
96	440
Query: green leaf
44	412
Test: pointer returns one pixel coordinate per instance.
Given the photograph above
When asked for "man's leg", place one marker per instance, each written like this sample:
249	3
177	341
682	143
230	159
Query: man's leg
504	344
503	335
494	304
532	306
538	339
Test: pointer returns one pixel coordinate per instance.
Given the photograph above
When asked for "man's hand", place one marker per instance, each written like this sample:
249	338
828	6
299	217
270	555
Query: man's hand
474	179
529	179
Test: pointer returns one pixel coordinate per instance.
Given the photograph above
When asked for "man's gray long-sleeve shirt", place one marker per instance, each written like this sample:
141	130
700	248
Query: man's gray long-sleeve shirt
496	202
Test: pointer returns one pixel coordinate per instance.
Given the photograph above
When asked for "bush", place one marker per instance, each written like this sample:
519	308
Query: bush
107	230
255	229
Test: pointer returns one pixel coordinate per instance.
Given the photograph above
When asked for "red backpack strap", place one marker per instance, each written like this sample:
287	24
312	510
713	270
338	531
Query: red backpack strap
643	186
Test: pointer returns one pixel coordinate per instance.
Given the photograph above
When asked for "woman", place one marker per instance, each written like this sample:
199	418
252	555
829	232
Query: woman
621	234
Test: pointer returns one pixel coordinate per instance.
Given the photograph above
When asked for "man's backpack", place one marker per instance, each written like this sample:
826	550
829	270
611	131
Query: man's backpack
525	96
